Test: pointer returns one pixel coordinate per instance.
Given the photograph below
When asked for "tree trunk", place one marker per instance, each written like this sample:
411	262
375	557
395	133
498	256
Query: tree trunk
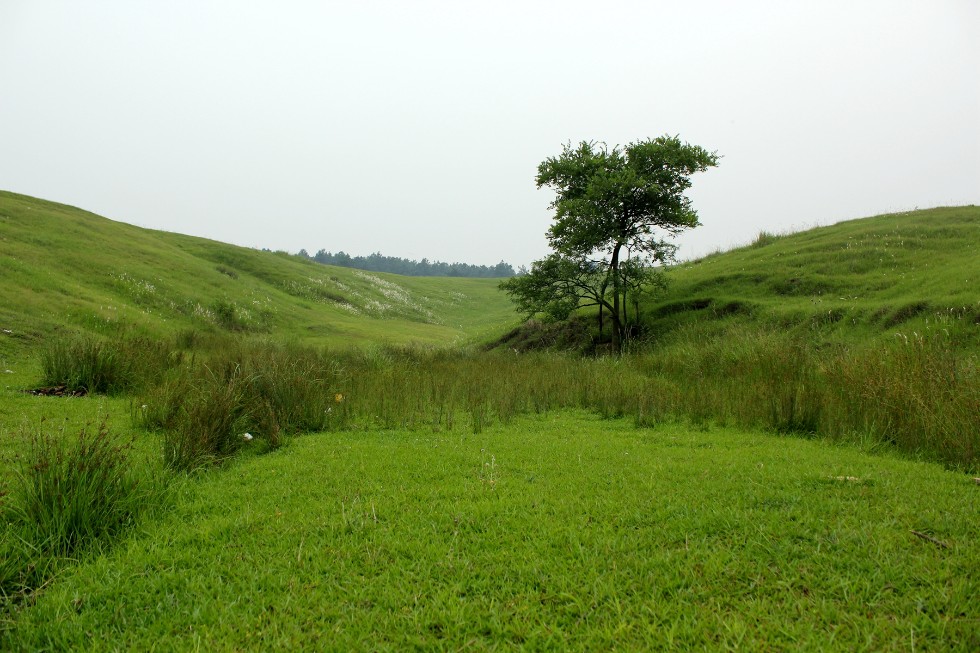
617	331
600	322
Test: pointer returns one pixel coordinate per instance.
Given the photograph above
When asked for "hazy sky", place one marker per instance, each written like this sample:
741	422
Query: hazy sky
416	128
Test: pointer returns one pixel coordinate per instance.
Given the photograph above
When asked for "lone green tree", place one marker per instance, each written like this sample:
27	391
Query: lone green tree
614	211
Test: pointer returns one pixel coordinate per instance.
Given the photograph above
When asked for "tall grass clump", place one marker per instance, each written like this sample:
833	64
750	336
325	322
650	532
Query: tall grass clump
70	493
296	389
93	364
208	410
764	238
760	379
917	392
80	490
921	394
210	417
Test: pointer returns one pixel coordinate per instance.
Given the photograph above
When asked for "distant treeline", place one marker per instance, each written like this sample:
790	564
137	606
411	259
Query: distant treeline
377	262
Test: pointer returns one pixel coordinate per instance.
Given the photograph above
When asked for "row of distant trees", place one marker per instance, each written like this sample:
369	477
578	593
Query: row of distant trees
377	262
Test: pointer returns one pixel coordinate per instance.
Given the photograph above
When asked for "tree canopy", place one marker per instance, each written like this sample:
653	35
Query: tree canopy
615	210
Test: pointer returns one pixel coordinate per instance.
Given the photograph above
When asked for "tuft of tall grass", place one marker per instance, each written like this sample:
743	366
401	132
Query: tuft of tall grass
917	393
69	494
764	238
77	491
211	414
293	388
94	364
265	389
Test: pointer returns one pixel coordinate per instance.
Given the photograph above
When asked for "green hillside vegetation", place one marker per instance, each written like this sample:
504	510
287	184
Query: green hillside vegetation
271	453
852	281
64	269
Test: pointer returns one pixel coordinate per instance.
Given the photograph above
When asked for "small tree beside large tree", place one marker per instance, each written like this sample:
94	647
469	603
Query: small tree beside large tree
614	211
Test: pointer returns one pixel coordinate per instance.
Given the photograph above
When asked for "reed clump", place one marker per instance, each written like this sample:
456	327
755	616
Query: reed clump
69	494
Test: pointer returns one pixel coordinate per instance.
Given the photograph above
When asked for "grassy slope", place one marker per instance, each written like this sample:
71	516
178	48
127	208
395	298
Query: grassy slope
854	280
589	534
64	268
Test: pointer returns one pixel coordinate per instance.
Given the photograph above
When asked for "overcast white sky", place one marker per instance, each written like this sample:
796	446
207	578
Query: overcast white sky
416	128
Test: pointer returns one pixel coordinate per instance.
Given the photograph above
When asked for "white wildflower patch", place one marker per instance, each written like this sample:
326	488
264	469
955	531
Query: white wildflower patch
374	306
399	301
139	289
202	312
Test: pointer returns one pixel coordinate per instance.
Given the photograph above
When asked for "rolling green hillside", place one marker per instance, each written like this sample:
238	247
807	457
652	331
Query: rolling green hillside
67	269
856	279
64	268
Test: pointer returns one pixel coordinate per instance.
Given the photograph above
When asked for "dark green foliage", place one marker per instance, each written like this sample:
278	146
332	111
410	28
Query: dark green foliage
377	262
802	286
613	211
681	306
556	286
226	271
226	315
906	313
567	335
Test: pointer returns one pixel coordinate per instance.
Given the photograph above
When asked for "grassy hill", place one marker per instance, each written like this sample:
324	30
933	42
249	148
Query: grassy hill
62	268
854	280
67	269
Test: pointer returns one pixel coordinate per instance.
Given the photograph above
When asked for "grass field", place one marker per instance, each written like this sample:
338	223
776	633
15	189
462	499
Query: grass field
557	532
783	461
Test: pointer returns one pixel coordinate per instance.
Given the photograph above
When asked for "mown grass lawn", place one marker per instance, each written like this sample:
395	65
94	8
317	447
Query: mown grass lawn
560	531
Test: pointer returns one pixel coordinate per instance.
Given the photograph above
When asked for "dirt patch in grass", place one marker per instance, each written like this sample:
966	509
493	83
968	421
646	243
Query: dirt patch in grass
58	391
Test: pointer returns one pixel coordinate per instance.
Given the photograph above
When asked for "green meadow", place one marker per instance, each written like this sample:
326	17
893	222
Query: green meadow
559	531
267	453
